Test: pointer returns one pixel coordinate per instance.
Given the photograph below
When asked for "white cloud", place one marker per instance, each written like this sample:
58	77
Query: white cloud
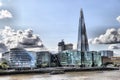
36	49
118	18
74	46
20	38
114	46
5	14
1	4
111	36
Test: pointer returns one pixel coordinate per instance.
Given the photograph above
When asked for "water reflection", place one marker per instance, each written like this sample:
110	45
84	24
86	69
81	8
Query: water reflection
98	75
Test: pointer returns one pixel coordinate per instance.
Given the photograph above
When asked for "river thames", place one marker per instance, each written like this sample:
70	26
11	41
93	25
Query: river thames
93	75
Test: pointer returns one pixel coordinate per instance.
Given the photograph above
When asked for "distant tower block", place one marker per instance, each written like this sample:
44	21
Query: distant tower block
82	44
61	46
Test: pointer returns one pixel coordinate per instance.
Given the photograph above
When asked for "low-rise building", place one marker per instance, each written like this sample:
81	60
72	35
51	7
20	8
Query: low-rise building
115	60
43	59
106	53
106	60
106	56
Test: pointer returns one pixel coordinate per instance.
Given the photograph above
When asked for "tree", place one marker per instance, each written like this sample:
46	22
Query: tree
4	65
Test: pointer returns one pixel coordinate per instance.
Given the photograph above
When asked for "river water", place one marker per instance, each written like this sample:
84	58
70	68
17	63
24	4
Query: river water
95	75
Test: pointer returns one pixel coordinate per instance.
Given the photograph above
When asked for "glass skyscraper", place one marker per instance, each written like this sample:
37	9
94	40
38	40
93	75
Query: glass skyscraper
82	44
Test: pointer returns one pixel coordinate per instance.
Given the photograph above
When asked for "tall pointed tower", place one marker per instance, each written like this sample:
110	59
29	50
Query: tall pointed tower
82	44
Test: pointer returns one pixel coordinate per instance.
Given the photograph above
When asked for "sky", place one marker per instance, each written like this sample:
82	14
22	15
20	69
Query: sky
54	20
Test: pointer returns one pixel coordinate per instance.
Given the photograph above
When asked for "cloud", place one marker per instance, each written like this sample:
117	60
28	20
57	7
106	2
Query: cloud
118	18
114	46
20	38
5	14
111	36
1	4
2	47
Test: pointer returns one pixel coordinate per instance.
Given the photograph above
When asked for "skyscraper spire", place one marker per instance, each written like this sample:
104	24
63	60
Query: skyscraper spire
82	44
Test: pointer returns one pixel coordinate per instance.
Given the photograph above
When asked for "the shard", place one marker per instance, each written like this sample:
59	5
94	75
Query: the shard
82	44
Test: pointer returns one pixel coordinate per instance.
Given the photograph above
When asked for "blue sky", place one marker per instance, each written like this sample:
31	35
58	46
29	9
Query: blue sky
54	20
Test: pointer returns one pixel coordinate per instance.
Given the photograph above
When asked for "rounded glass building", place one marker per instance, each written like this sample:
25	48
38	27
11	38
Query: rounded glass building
18	58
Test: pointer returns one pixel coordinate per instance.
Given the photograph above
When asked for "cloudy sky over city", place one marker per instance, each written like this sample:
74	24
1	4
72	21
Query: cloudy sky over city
49	21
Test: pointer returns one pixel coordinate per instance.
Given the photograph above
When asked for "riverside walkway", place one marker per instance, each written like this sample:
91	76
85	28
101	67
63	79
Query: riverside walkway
48	70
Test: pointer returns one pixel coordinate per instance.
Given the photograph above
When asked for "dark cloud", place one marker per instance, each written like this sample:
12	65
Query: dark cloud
3	48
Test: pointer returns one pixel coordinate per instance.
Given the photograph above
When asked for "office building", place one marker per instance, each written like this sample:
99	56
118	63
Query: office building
74	58
43	59
62	46
69	46
18	58
106	53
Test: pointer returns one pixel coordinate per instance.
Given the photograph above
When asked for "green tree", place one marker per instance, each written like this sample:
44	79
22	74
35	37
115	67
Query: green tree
4	65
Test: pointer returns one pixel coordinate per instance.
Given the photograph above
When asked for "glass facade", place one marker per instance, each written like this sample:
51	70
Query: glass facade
106	53
33	58
68	58
18	58
43	59
86	59
97	61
